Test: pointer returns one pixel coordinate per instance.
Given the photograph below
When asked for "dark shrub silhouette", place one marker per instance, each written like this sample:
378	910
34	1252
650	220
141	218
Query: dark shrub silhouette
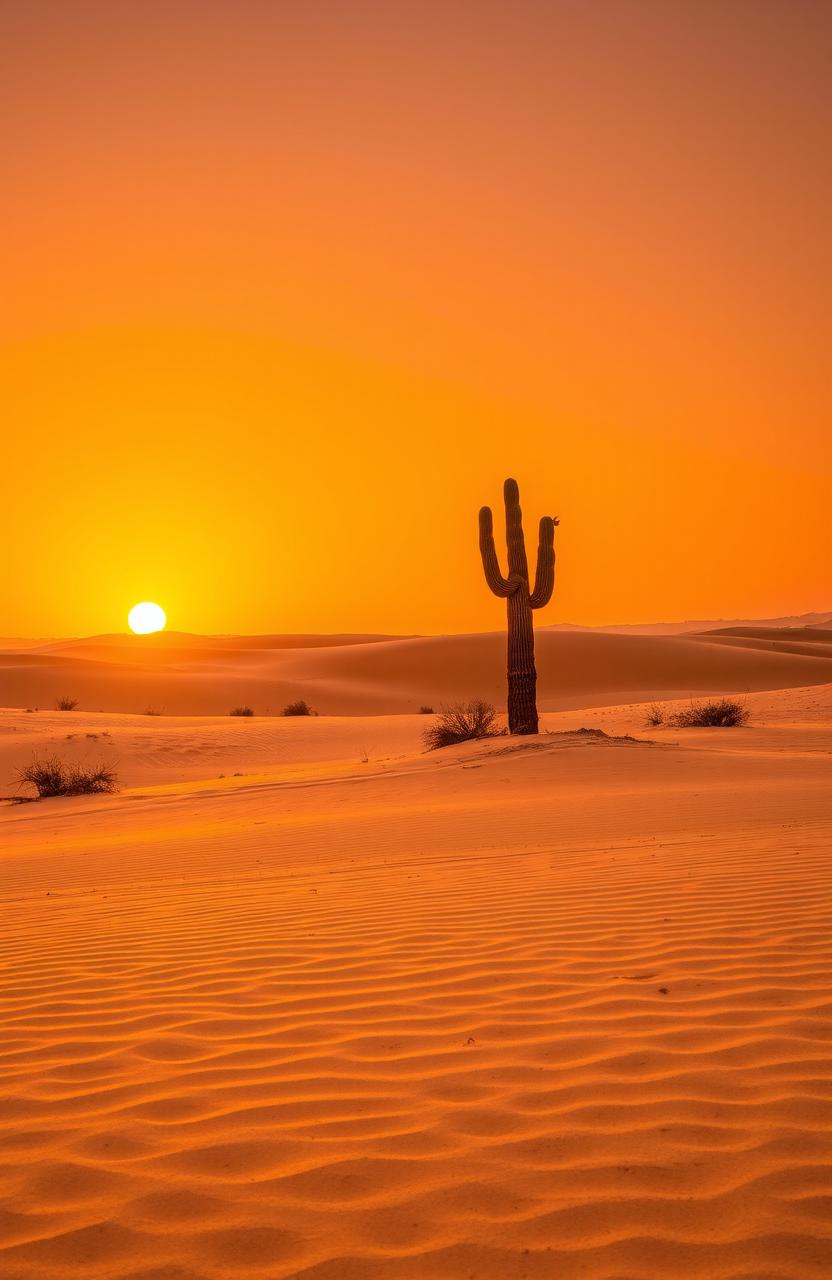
241	711
655	715
66	704
522	676
721	713
299	708
52	777
462	722
426	711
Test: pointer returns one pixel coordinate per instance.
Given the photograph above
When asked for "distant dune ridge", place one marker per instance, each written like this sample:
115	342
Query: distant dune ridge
712	624
363	675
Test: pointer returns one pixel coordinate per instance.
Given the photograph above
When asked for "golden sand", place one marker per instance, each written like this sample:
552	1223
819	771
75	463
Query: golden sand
543	1008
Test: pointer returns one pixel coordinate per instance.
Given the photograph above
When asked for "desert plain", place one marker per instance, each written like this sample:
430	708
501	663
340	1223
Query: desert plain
304	1000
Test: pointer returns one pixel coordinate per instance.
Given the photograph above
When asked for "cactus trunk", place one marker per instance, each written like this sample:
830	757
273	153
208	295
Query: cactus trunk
522	676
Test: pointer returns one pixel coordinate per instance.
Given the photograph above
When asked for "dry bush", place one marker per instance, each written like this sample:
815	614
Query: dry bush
720	713
426	711
52	777
299	708
66	703
655	715
241	711
462	722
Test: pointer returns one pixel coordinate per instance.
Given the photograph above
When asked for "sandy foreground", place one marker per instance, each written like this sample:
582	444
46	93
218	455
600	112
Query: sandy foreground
302	1000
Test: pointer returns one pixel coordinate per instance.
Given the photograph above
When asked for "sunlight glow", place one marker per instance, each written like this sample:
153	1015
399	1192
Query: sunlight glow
146	617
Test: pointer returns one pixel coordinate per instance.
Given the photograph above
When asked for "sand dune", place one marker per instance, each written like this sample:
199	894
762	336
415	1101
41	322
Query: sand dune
809	641
543	1008
114	647
209	675
683	628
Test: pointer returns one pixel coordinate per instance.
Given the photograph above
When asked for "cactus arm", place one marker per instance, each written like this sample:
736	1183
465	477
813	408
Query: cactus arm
544	579
517	564
498	584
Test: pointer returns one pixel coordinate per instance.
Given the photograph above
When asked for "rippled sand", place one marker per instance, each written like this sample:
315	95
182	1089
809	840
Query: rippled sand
555	1008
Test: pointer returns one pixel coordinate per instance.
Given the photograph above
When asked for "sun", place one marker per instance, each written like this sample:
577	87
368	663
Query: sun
146	617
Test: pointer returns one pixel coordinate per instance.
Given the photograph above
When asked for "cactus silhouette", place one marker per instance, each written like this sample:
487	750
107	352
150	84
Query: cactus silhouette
522	676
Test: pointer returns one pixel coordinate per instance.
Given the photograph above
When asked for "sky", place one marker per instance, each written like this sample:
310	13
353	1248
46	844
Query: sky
291	286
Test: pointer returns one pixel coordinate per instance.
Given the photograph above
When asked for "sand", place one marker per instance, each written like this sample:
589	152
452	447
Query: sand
198	675
303	1001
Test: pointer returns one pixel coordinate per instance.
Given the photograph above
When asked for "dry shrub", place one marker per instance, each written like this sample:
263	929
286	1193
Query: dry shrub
241	711
462	722
50	776
720	713
299	708
66	703
426	711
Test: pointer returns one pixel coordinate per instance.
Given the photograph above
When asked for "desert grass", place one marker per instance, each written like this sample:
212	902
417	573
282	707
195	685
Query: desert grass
462	722
51	776
720	713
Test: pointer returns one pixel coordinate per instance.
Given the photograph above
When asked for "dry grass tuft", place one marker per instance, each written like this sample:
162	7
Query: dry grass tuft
50	776
720	713
462	722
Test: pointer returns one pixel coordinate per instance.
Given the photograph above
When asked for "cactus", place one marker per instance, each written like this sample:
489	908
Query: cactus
522	676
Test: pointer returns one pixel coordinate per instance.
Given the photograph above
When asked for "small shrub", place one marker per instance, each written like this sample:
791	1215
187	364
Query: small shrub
241	711
655	716
721	713
426	711
51	777
299	708
66	704
152	711
462	722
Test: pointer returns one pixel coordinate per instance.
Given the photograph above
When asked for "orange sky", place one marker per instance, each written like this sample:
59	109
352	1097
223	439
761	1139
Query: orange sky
290	286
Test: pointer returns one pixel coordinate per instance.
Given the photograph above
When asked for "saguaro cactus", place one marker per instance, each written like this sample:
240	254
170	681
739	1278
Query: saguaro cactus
522	676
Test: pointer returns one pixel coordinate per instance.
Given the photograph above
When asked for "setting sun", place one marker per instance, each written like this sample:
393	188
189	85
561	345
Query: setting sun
146	617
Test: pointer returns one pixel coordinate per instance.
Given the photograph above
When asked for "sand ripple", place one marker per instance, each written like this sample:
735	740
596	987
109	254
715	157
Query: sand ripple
594	1059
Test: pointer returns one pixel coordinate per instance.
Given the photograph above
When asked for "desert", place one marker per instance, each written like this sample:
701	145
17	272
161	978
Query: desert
415	640
304	1000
